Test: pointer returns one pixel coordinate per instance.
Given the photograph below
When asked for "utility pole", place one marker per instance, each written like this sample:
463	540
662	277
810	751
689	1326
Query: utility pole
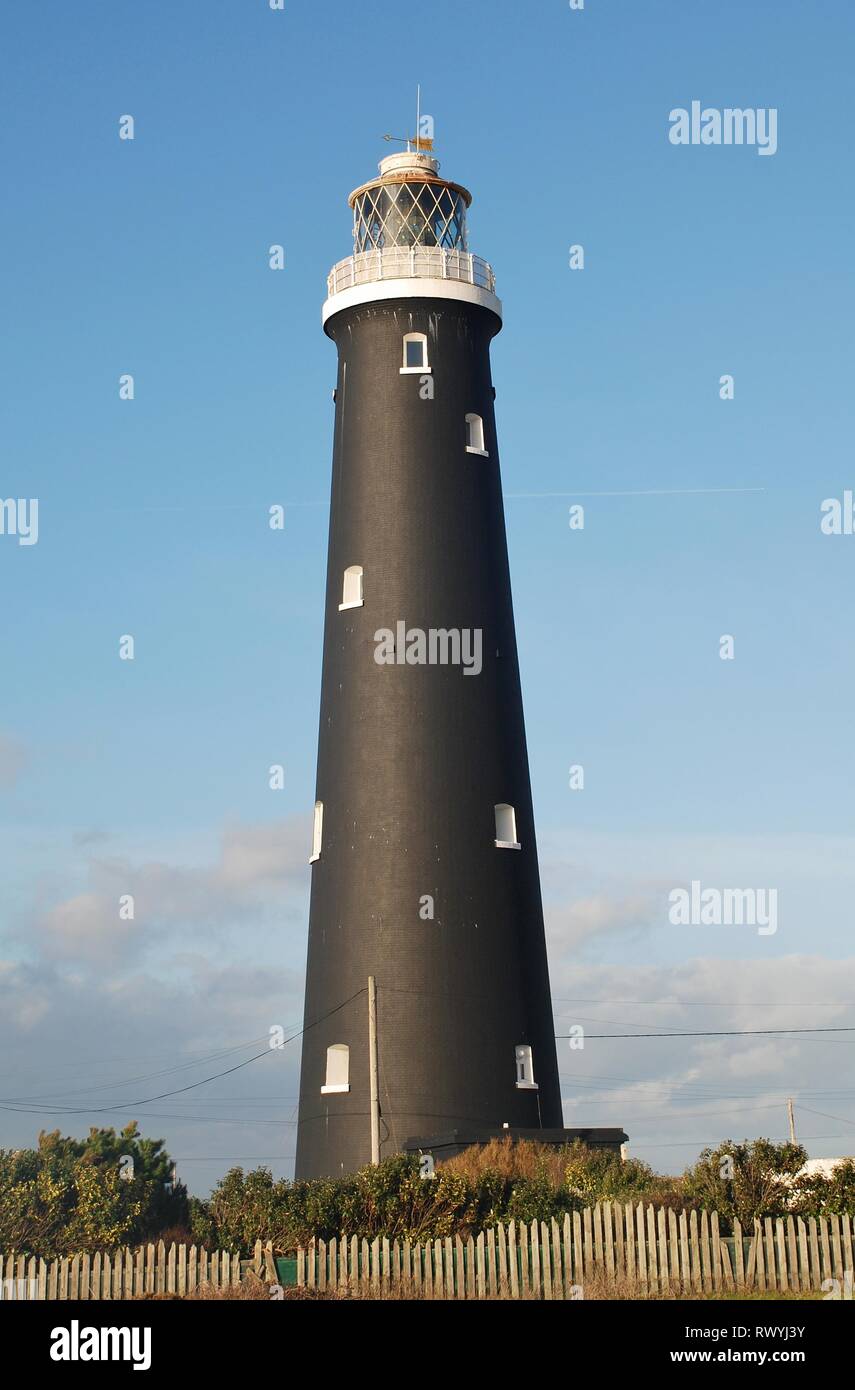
372	1069
792	1122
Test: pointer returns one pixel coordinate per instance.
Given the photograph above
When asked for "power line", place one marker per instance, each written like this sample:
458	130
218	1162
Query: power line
98	1110
723	1033
148	1076
711	1003
826	1116
716	1091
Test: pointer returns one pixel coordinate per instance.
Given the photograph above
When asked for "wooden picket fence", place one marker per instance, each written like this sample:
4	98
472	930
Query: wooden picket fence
120	1274
656	1251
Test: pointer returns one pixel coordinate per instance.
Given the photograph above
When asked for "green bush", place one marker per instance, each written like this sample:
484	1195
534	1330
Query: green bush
600	1175
69	1195
744	1181
818	1195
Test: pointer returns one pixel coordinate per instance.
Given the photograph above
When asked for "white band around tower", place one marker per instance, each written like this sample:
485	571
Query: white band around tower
410	289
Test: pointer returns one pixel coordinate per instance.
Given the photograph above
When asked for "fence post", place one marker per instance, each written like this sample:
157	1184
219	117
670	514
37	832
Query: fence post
547	1262
783	1281
568	1256
760	1255
598	1237
642	1245
815	1269
501	1239
609	1241
527	1273
697	1277
651	1248
738	1253
835	1245
518	1256
620	1258
557	1280
628	1214
706	1274
847	1243
792	1256
804	1256
770	1254
428	1269
662	1235
578	1252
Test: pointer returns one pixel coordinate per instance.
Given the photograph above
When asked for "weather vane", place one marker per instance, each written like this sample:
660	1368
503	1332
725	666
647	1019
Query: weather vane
420	142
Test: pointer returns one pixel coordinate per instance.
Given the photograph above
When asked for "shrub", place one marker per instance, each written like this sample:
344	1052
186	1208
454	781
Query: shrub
68	1194
745	1180
600	1175
817	1195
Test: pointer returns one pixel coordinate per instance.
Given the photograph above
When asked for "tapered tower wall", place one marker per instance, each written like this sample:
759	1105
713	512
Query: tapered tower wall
413	759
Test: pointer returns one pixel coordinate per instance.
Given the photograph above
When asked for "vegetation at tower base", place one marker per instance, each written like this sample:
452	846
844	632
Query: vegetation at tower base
502	1181
69	1195
66	1196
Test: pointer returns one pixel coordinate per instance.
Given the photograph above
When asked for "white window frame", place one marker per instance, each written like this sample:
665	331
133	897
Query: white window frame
337	1053
317	832
523	1059
478	422
352	572
506	823
416	371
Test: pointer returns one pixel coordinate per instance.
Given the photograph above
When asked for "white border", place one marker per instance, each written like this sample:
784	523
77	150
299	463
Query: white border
413	288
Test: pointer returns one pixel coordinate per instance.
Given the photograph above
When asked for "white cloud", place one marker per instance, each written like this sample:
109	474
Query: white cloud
258	869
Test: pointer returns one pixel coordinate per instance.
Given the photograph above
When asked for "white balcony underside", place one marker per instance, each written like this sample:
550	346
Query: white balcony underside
410	289
415	272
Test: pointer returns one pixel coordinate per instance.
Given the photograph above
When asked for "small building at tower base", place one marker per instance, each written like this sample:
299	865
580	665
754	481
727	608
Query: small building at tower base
453	1141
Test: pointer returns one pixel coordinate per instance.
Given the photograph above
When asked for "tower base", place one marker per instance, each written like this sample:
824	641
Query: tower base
454	1141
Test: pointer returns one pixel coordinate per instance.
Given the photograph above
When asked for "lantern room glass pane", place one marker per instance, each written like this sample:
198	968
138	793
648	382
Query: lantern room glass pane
409	214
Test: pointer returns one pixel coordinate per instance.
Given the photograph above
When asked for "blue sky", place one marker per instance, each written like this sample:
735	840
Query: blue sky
702	518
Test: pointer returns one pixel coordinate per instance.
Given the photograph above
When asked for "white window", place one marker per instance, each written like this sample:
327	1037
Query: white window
525	1068
506	827
317	831
415	353
351	593
475	436
338	1069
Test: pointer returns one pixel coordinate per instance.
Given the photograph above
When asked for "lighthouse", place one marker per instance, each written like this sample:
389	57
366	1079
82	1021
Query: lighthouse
428	1018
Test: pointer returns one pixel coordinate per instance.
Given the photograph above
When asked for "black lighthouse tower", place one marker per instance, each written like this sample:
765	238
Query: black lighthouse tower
428	1008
